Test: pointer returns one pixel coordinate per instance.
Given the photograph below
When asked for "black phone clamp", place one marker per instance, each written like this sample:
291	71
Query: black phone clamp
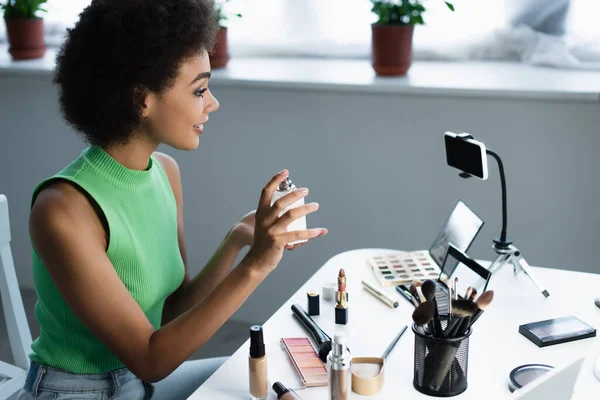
507	252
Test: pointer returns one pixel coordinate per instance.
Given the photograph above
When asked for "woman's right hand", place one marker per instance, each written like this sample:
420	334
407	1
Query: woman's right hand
270	234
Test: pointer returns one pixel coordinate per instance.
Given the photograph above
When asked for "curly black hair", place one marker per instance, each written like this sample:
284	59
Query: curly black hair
120	50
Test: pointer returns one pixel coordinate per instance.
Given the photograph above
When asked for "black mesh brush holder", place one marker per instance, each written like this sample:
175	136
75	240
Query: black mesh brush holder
440	364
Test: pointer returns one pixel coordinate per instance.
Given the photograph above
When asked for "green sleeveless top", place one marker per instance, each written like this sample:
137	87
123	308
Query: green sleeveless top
140	209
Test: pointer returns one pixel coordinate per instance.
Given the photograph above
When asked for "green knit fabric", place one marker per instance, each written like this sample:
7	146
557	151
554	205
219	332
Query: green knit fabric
143	248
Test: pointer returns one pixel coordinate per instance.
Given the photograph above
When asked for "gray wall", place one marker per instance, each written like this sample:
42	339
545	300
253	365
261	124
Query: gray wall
375	163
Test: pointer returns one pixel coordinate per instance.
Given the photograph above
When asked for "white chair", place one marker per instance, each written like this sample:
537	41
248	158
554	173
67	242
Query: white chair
12	377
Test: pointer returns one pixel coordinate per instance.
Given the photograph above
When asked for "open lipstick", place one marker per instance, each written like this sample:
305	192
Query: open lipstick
341	304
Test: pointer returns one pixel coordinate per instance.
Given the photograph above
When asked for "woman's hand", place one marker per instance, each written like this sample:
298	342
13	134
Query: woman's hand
270	234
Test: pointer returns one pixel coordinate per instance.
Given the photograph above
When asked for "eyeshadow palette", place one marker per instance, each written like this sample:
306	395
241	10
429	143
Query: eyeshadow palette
306	361
397	268
557	330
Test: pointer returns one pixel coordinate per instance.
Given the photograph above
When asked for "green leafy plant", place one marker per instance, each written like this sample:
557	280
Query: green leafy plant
222	15
22	9
401	12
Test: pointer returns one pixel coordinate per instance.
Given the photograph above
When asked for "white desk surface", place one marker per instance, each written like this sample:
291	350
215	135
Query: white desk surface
496	346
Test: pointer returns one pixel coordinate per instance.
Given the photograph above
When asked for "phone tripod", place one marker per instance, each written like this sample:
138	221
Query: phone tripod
507	253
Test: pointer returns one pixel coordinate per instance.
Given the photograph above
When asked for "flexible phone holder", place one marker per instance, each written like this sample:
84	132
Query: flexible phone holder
507	252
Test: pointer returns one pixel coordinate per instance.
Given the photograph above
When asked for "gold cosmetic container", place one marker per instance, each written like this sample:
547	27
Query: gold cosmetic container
368	372
367	375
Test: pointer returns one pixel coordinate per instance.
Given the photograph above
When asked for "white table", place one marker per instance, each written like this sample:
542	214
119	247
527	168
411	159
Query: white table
496	346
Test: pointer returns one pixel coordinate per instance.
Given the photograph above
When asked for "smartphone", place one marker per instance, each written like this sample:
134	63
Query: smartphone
467	155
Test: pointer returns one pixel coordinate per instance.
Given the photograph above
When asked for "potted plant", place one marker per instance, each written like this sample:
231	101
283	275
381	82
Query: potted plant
392	34
219	56
25	31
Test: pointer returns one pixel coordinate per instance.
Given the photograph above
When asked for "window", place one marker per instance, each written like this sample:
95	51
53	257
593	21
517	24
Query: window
342	28
62	14
582	22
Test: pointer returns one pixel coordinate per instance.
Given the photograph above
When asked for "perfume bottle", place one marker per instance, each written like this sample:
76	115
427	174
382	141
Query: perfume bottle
339	362
284	188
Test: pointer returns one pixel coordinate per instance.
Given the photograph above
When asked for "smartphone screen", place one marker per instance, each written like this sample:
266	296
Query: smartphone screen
466	155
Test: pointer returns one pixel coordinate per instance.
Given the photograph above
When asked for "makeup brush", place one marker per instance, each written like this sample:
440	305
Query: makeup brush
463	306
443	359
482	303
466	323
462	329
424	313
468	292
462	309
456	288
393	344
321	338
413	291
420	294
429	288
468	309
450	296
472	295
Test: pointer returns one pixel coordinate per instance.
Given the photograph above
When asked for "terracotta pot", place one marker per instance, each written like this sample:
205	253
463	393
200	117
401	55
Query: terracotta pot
391	49
25	38
219	56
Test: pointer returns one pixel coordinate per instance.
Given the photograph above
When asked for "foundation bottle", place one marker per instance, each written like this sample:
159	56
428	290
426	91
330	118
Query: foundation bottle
257	364
338	363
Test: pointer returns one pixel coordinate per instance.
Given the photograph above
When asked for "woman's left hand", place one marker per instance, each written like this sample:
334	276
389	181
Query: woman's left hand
242	232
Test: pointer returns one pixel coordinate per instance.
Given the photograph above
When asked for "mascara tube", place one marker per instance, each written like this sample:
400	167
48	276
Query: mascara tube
380	295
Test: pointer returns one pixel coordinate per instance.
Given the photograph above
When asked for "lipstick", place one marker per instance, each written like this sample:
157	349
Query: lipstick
341	297
313	302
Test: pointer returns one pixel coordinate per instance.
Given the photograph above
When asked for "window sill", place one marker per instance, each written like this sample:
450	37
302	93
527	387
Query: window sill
466	79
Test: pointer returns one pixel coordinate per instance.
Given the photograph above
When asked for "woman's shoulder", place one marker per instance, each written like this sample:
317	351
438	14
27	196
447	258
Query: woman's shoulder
171	168
60	196
167	162
60	204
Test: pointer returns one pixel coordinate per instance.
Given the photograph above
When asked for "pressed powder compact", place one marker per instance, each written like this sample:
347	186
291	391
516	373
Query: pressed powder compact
524	374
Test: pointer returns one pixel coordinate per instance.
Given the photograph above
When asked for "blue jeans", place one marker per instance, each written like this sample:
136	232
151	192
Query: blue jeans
46	383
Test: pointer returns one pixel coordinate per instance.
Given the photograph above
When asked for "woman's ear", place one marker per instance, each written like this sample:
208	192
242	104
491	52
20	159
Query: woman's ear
144	99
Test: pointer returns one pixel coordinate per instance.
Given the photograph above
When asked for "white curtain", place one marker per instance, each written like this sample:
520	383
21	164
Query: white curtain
343	27
565	31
